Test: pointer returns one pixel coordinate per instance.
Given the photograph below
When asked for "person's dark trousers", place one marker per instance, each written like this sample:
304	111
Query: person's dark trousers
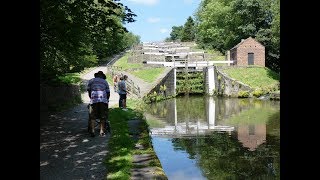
120	101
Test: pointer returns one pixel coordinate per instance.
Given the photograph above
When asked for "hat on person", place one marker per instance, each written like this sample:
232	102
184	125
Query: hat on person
100	74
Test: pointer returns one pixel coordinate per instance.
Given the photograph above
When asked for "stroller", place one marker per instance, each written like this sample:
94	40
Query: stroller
97	124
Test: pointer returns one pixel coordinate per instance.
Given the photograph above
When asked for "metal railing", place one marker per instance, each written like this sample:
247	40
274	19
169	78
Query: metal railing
131	86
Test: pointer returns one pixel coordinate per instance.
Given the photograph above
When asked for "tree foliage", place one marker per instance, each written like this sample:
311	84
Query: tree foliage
75	34
183	33
176	33
188	30
221	24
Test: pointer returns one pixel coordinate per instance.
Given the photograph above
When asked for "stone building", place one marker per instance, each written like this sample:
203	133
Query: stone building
248	52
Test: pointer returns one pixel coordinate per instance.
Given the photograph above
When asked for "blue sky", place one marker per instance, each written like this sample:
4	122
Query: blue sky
155	18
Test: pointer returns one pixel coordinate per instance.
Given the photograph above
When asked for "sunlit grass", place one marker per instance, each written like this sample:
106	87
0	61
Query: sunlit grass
109	80
121	145
123	62
256	77
119	158
137	104
148	75
216	55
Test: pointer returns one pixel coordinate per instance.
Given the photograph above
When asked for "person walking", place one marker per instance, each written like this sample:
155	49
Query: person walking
99	93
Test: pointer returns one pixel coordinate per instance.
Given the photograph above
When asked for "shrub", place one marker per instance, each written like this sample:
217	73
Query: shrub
257	92
243	94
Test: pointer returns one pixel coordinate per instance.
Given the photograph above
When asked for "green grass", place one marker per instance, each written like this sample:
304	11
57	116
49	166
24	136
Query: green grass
121	145
123	62
109	80
255	77
148	75
136	104
216	55
119	158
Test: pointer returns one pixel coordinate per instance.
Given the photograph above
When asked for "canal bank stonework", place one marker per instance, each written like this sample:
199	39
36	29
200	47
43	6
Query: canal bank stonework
218	83
228	86
221	83
169	82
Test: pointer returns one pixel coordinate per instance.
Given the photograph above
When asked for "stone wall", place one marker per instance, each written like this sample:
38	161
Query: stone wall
228	86
168	81
50	95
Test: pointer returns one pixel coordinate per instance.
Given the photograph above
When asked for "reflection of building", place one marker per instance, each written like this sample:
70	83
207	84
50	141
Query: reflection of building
251	136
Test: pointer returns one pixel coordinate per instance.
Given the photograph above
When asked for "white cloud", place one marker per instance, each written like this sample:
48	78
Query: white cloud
163	30
153	19
145	2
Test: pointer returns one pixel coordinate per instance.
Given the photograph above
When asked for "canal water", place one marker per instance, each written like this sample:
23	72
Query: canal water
216	138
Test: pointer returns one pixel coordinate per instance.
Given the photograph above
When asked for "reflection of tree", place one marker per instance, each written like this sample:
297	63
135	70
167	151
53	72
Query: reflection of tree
223	157
190	108
187	144
252	116
273	124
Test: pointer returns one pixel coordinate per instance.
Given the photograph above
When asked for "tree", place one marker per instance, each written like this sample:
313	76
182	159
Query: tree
76	34
176	33
188	33
221	24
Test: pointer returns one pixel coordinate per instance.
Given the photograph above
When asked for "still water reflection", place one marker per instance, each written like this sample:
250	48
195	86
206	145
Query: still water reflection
217	138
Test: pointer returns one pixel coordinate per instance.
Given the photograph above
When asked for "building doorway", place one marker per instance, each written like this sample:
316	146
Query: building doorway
250	58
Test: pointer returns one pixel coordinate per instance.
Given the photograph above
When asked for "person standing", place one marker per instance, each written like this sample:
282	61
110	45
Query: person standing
99	93
122	90
115	82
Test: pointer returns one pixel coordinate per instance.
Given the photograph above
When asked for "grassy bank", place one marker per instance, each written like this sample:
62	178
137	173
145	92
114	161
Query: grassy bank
122	145
137	69
256	77
123	63
148	75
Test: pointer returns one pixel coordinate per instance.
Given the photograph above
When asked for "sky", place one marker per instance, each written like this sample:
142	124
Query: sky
155	18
